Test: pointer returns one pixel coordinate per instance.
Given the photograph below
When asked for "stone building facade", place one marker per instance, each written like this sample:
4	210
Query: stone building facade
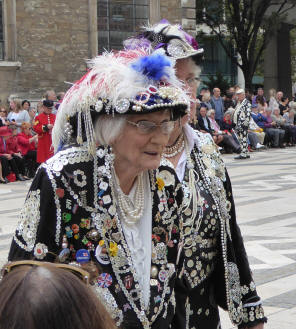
46	42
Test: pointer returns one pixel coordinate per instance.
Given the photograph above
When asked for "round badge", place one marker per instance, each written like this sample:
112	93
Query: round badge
101	256
63	255
82	256
162	275
105	280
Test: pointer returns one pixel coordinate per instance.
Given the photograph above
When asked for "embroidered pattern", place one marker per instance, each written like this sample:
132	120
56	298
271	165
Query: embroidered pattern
29	221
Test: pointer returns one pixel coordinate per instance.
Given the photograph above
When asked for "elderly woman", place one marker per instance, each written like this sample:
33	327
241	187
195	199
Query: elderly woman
229	143
215	267
281	123
290	118
110	208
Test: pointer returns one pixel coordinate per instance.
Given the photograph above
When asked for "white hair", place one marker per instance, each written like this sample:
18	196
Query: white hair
108	128
210	112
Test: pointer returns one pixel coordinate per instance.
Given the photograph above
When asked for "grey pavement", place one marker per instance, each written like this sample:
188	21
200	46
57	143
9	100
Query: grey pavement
265	196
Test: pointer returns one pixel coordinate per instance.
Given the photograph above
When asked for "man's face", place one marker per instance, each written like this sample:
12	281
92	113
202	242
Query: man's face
47	110
241	97
216	92
279	95
260	91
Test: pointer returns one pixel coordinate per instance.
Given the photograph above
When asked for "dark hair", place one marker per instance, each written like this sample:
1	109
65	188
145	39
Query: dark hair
46	297
26	101
260	100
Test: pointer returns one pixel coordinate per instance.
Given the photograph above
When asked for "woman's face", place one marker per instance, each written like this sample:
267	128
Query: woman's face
139	150
212	116
12	105
27	130
227	117
276	112
26	106
3	113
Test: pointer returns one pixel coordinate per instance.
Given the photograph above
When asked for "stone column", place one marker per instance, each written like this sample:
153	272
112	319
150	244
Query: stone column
154	16
284	60
271	66
92	28
9	12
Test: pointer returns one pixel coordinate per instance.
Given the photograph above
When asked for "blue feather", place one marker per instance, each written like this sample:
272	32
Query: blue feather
152	66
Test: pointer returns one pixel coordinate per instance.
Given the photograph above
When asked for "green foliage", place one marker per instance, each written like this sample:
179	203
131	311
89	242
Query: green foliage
249	24
219	81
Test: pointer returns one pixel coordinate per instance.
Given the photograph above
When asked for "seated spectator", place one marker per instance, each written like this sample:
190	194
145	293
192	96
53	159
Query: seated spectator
290	122
274	134
10	162
17	115
261	103
3	179
205	125
227	126
28	146
256	135
227	142
3	117
38	295
14	149
283	105
281	123
206	100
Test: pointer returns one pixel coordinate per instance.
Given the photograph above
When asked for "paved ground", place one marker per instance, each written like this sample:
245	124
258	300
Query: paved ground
265	193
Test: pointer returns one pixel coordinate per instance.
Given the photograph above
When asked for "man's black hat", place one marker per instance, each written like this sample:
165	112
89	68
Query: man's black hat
48	103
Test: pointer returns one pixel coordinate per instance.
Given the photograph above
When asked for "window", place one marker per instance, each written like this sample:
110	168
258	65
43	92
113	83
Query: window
118	20
216	60
1	31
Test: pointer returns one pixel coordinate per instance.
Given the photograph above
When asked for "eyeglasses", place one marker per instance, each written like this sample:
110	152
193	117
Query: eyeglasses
77	271
3	112
192	81
147	127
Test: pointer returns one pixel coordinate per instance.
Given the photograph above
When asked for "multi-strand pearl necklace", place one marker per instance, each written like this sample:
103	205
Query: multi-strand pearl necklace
131	213
178	147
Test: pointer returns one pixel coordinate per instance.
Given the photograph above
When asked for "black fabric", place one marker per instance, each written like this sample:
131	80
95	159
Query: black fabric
5	166
202	125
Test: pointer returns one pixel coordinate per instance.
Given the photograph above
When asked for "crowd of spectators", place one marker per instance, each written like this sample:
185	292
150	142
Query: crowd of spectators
22	133
272	123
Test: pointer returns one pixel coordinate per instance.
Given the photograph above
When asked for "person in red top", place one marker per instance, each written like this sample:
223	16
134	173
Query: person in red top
43	126
9	153
28	146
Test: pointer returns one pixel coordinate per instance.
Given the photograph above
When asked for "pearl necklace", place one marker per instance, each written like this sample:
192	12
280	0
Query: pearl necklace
178	147
130	213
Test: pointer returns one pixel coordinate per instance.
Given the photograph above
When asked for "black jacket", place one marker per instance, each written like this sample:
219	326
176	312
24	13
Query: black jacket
63	210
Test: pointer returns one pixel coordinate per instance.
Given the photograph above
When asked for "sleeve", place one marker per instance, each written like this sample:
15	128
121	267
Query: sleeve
38	127
252	308
35	232
22	140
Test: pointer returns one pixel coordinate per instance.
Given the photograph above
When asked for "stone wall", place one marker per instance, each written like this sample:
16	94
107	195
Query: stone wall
52	44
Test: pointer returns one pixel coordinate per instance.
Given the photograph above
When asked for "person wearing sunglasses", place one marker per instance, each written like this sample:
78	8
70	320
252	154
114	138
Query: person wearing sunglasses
215	269
40	295
103	198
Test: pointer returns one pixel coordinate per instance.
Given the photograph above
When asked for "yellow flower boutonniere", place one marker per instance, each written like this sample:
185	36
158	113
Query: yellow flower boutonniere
113	249
160	183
